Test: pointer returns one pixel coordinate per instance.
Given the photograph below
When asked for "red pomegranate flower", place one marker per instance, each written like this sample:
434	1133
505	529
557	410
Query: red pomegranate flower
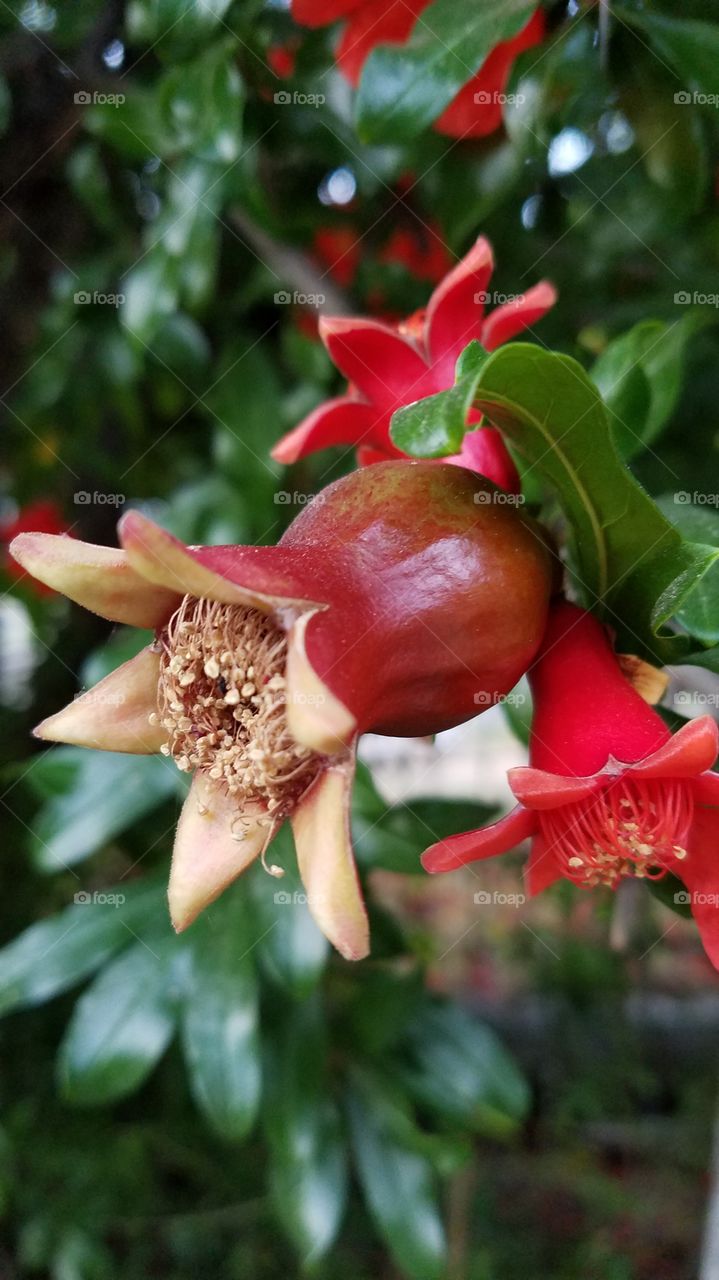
268	662
43	515
609	792
389	367
477	109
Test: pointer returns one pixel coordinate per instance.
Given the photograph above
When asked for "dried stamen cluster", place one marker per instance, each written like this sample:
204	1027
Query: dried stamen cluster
222	698
633	828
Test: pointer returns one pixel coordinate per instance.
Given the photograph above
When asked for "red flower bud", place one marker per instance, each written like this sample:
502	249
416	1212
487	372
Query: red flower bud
390	367
609	792
392	602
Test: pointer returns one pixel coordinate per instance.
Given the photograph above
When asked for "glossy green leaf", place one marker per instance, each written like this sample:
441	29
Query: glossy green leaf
398	1183
55	954
122	1024
220	1032
700	614
403	89
639	377
108	793
628	558
460	1069
308	1173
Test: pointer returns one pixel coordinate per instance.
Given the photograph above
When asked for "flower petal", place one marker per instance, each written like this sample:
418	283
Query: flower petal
340	421
691	750
477	109
542	869
114	714
485	452
374	22
253	576
513	317
206	857
385	366
456	309
100	579
539	790
324	854
700	873
315	717
500	837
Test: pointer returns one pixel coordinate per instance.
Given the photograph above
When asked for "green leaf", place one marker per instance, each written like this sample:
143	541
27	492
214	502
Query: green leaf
459	1068
291	948
177	24
394	836
628	559
692	47
671	893
108	793
398	1182
55	954
122	1025
639	376
202	106
220	1017
308	1173
404	89
700	614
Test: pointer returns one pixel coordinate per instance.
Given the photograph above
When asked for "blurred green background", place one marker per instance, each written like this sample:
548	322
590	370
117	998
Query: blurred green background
497	1100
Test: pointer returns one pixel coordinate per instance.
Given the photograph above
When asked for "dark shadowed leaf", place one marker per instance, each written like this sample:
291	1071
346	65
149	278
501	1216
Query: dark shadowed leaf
398	1181
308	1175
123	1023
220	1017
55	954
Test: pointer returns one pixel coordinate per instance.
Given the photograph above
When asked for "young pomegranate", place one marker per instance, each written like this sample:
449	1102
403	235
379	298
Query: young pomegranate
402	600
610	792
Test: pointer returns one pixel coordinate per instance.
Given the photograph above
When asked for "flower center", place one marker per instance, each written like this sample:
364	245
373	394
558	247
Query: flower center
632	828
221	697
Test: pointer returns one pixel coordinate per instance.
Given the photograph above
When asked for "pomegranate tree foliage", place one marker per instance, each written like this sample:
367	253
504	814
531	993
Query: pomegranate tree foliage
162	257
